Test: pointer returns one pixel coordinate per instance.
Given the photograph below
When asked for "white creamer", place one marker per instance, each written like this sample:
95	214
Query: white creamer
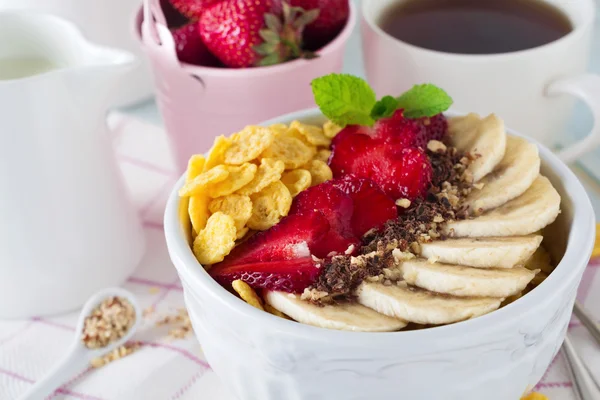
67	227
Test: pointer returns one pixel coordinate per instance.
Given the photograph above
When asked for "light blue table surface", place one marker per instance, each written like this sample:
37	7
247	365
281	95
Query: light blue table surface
588	168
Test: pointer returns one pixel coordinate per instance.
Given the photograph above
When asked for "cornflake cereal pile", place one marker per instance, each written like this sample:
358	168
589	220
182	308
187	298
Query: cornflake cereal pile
247	182
108	322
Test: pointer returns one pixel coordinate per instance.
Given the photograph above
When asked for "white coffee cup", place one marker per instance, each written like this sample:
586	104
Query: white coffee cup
526	88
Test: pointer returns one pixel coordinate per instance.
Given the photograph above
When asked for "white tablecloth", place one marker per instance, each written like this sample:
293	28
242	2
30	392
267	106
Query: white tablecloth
164	368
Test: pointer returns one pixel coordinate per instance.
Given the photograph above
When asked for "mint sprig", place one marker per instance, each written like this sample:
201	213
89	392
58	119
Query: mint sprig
344	99
349	100
424	100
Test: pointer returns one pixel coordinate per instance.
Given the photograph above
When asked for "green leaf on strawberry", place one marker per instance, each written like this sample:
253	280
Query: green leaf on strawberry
349	100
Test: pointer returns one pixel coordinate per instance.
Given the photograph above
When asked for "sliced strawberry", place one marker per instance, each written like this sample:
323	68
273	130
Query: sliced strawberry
292	276
408	176
400	172
400	132
190	47
436	127
293	237
347	146
337	207
372	207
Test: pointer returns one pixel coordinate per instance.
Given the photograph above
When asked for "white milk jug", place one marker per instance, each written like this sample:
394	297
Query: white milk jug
67	228
106	22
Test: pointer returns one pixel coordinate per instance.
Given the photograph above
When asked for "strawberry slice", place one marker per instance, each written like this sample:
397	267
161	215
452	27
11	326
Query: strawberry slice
292	276
400	172
436	127
372	207
337	207
400	132
293	237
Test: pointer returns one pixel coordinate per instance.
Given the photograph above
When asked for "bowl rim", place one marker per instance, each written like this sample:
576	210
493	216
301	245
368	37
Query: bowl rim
339	41
576	257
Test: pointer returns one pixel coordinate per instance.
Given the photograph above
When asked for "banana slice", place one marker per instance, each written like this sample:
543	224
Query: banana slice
540	260
466	281
421	306
340	316
536	208
510	179
496	252
484	137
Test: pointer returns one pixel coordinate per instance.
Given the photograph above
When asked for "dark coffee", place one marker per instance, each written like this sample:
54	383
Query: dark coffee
475	26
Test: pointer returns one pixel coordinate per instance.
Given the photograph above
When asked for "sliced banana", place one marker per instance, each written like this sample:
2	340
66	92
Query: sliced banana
536	208
466	281
421	306
495	252
484	137
540	260
340	316
510	179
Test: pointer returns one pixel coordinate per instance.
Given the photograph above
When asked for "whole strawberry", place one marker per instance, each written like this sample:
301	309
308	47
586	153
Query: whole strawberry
190	47
246	33
332	19
193	9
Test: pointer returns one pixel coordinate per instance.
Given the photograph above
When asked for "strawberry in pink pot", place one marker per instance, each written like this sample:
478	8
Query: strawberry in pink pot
192	9
190	47
246	33
333	15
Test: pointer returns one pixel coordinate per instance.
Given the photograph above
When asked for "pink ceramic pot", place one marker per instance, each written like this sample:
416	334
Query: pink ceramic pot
199	103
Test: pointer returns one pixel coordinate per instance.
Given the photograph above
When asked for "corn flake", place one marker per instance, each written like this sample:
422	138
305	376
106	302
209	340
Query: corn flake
323	155
236	206
292	151
248	144
269	171
271	310
330	129
319	171
195	167
535	396
296	181
216	156
247	294
216	240
184	218
313	134
242	233
269	205
198	212
239	176
199	183
278	129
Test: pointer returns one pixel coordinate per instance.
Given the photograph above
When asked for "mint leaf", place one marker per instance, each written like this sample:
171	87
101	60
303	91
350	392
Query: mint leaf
424	100
384	108
344	99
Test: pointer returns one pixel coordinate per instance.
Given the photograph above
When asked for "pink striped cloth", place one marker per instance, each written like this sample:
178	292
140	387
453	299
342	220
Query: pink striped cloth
164	368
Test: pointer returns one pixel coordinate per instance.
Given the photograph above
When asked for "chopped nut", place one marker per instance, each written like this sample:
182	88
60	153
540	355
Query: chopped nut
404	203
438	218
436	146
116	354
479	185
313	295
108	322
350	249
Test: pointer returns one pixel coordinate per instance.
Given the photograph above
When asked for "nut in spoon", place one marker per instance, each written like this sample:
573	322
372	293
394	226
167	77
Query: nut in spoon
79	355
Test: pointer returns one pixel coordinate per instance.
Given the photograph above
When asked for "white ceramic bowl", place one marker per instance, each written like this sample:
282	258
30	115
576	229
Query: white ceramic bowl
494	357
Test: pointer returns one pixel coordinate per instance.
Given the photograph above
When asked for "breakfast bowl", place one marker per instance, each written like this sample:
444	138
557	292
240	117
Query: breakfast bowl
497	356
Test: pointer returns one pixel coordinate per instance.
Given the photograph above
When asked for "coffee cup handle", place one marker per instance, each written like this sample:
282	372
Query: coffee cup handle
587	88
